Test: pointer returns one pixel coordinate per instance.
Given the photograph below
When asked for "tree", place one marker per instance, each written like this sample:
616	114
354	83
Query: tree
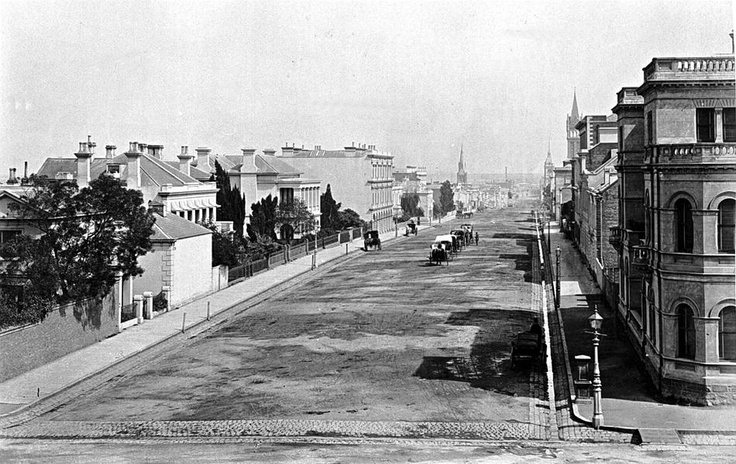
225	249
447	202
410	205
460	206
231	201
87	236
263	219
294	216
330	210
349	218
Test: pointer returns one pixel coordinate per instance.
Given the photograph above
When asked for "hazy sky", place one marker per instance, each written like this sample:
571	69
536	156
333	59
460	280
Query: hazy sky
414	78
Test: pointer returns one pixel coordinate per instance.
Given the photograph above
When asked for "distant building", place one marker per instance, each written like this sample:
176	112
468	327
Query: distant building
462	176
360	177
677	297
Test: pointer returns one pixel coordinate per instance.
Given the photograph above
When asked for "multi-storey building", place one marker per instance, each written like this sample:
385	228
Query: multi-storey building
686	330
259	175
361	178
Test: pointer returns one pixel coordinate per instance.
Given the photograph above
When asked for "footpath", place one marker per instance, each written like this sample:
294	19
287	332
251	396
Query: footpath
629	400
22	393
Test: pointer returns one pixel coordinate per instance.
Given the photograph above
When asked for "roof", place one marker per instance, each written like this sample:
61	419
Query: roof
272	165
153	170
351	153
596	179
173	227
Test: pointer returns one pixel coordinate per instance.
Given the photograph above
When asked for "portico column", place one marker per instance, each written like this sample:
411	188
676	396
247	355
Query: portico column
719	125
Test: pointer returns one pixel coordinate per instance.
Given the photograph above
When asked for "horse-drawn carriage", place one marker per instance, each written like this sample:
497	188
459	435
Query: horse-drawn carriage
411	228
371	240
461	237
468	229
442	249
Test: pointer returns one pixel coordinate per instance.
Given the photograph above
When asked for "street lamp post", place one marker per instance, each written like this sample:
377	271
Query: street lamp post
549	228
557	277
595	323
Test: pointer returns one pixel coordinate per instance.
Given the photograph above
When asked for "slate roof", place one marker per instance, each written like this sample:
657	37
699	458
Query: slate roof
271	165
173	227
153	170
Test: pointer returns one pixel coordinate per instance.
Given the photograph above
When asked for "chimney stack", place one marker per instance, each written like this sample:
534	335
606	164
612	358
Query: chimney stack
184	160
83	164
203	159
11	177
269	152
249	160
133	180
287	150
110	151
25	173
156	151
91	145
143	148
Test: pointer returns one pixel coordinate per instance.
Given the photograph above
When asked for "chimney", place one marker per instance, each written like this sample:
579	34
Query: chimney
249	160
157	207
156	151
91	145
269	152
25	173
133	180
184	159
11	177
83	164
203	159
143	148
110	151
287	150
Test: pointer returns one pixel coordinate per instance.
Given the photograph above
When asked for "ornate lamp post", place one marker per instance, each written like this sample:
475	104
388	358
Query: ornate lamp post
557	277
596	321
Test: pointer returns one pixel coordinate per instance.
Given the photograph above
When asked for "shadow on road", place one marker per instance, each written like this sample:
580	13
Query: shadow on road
488	365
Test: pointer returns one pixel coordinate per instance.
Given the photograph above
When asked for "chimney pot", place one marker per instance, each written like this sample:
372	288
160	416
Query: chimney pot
110	151
133	147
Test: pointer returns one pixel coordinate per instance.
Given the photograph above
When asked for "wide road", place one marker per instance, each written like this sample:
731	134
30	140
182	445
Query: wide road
382	345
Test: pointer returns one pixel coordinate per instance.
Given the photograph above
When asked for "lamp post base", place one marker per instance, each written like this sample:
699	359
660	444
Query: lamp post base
597	421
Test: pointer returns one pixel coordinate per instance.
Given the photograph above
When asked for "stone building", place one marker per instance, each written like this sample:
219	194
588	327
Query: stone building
685	329
361	178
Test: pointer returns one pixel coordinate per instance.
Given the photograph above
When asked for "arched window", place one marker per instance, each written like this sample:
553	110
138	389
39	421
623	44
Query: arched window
685	332
683	226
726	223
727	333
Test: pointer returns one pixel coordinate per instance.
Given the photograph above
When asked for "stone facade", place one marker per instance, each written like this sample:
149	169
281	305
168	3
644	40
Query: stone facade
683	133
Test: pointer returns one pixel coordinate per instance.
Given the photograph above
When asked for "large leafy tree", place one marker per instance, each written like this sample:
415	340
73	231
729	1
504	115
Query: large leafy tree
447	202
330	210
294	216
410	205
349	218
231	201
263	219
87	236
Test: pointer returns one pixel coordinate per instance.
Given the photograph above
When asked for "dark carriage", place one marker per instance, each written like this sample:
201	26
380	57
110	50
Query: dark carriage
441	250
461	237
371	240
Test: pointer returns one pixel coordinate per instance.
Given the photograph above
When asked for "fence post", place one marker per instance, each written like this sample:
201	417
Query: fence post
149	305
167	294
138	302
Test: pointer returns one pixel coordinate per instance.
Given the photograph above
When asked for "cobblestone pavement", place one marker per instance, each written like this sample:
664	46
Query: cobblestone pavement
275	428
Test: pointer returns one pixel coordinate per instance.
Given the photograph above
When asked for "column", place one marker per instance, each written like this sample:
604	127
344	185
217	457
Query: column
118	298
706	339
719	125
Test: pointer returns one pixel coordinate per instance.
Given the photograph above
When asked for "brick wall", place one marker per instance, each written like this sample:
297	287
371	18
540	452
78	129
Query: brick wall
66	329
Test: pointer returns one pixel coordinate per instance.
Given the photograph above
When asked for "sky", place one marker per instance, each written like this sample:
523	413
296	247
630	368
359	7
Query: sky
416	79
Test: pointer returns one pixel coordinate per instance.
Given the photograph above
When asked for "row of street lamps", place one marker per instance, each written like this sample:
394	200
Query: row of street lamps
596	322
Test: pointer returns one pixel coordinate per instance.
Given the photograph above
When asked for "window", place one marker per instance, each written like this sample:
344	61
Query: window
8	235
726	223
729	124
683	226
650	128
705	122
685	332
727	334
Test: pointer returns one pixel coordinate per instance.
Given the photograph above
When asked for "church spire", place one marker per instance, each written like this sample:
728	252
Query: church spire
462	176
574	113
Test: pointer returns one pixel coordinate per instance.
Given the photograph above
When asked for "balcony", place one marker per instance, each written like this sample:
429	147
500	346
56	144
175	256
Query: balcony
692	153
614	237
640	255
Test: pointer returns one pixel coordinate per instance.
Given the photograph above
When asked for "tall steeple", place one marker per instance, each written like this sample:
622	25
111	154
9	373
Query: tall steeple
462	176
574	113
